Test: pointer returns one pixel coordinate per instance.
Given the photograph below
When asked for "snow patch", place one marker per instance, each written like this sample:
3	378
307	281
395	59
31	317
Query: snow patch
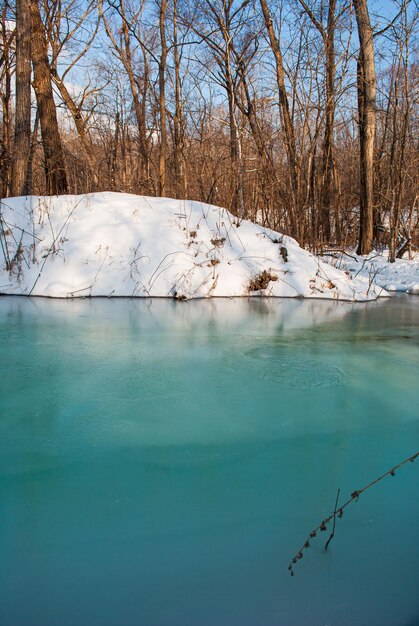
400	276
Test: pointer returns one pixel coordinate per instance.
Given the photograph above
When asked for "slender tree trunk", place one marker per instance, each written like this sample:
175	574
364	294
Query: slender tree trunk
162	101
178	120
139	106
367	120
124	52
114	154
144	142
328	187
235	140
267	170
56	177
402	106
287	125
399	182
23	99
6	94
5	140
34	136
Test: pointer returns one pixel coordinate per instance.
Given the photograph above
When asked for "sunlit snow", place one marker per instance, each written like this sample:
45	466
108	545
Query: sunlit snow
111	244
401	276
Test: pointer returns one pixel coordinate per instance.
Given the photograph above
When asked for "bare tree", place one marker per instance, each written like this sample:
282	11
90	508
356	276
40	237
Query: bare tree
222	25
162	99
401	205
22	138
178	117
244	104
63	23
327	33
131	29
55	172
288	132
367	85
7	38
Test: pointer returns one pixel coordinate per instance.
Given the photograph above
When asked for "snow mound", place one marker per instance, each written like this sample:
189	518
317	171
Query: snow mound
111	244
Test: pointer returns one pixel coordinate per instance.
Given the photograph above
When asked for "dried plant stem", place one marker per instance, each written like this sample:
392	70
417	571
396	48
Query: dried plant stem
338	512
332	534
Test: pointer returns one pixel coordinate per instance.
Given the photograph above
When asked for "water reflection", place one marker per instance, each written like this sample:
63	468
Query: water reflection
194	315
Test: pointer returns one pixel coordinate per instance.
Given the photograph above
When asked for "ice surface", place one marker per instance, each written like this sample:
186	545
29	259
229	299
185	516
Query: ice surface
151	474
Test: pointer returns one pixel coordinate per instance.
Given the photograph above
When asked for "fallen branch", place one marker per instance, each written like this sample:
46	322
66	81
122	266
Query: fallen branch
339	512
335	251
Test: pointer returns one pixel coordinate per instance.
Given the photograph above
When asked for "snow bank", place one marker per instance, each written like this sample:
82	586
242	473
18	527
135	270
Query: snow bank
110	244
402	275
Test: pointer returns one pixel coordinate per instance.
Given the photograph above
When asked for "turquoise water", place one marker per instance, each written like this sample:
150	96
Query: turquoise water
161	462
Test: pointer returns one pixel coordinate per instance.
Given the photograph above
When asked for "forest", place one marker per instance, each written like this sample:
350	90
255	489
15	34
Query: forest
300	115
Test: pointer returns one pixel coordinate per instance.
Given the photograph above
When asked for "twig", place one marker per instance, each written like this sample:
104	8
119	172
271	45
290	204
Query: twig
334	251
52	246
332	534
22	229
364	261
151	281
4	247
371	280
339	512
70	294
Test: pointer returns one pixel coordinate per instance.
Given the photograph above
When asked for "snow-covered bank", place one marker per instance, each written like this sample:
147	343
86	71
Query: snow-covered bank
402	276
110	244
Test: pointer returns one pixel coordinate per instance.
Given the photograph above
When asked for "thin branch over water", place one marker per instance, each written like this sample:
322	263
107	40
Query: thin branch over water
338	512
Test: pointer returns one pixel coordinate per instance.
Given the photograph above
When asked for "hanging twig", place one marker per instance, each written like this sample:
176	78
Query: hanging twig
332	534
339	512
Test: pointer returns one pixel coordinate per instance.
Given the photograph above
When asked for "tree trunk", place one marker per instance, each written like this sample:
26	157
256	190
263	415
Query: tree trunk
114	155
162	101
5	140
178	120
32	148
139	98
327	187
139	106
367	119
328	177
236	155
23	99
6	97
56	177
287	125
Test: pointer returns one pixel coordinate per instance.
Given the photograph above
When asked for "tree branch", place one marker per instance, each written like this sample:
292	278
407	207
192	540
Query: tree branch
339	512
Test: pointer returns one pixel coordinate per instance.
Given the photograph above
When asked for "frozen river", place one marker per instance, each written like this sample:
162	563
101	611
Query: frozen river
161	462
